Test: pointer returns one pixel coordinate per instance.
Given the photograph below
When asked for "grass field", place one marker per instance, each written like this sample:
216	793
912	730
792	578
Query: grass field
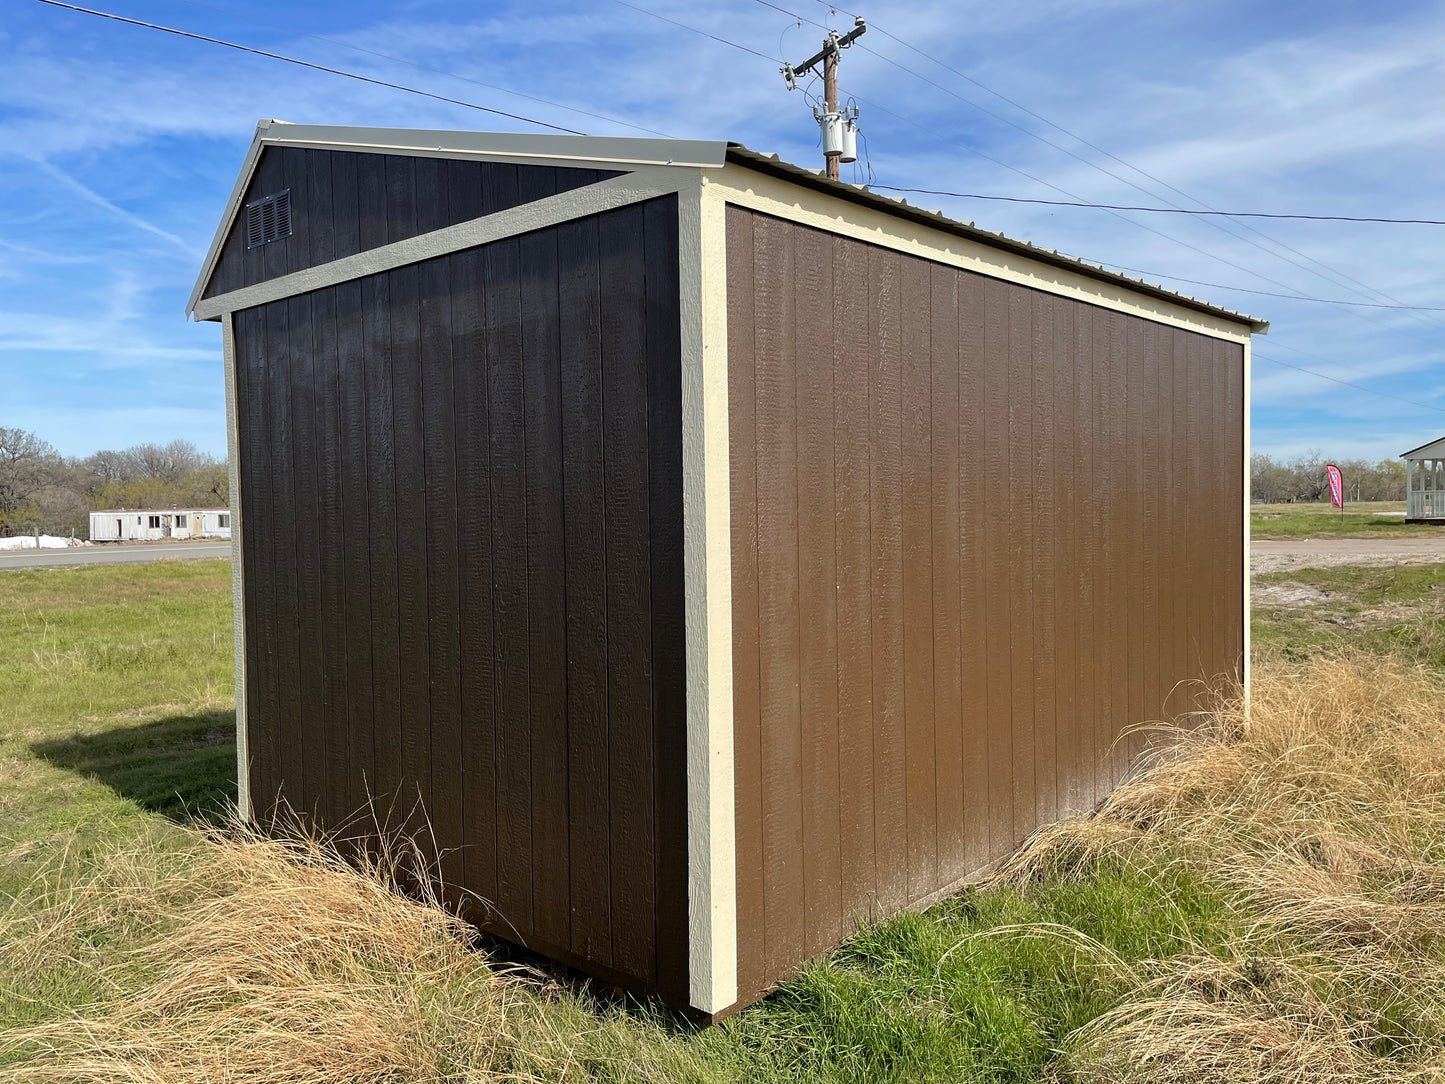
1268	906
1369	519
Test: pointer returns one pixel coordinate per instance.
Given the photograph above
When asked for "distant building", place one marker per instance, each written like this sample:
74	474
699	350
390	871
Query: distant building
1425	483
147	524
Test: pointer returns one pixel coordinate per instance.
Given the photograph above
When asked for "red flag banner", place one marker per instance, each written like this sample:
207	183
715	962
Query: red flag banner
1337	485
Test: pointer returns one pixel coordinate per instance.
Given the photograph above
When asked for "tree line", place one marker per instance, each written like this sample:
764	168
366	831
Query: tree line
42	491
1303	478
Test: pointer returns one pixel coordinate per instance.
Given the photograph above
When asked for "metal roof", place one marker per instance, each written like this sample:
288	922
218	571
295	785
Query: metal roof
1429	444
771	163
164	511
628	151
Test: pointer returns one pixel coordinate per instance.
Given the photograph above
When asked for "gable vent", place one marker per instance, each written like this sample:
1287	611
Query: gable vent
268	219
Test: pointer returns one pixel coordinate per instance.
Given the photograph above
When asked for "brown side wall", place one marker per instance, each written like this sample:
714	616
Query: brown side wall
978	532
463	576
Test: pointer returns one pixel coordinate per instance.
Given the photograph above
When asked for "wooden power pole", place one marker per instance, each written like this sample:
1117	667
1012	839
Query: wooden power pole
839	133
830	99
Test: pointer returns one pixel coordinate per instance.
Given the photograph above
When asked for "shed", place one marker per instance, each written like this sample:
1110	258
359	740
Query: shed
713	552
1425	483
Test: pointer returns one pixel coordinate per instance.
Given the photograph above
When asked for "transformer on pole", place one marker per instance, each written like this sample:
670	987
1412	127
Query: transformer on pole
839	127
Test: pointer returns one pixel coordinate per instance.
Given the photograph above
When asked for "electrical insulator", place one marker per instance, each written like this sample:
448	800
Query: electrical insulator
832	125
850	140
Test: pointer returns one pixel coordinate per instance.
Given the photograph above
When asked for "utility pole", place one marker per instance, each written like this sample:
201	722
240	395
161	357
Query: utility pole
840	132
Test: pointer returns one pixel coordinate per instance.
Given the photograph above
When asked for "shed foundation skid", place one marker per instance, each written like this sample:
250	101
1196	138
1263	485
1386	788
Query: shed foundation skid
704	553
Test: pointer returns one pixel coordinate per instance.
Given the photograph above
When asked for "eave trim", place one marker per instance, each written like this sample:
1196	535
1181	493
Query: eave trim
632	187
762	163
602	152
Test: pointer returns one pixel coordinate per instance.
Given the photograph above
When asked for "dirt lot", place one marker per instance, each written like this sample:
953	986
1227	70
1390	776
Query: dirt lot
1281	556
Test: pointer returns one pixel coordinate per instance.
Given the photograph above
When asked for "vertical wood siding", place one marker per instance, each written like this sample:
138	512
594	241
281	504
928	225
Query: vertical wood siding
345	202
464	583
978	532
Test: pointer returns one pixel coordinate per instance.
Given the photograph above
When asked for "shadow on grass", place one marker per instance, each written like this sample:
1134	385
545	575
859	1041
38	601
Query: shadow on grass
182	767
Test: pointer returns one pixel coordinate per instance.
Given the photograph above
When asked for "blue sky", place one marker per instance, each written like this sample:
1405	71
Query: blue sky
119	146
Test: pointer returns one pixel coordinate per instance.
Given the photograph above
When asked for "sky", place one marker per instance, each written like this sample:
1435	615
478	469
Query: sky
119	146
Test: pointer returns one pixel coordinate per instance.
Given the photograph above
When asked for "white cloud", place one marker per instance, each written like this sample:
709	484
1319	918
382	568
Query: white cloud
1299	109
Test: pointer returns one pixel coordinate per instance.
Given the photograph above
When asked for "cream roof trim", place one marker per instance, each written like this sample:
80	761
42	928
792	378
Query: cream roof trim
773	195
860	194
629	153
586	151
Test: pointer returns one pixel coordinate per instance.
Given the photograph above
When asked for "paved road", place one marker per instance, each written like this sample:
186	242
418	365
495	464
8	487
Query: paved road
1265	555
113	555
1268	555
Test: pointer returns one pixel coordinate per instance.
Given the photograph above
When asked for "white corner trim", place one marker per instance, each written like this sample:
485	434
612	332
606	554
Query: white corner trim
243	752
643	184
233	205
1248	666
707	566
796	203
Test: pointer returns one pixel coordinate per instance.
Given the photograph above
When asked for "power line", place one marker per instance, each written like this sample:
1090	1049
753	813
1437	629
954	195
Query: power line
1261	293
425	68
971	150
695	30
1167	210
1334	275
1015	169
1350	384
764	56
1063	150
1294	297
308	64
873	105
1049	184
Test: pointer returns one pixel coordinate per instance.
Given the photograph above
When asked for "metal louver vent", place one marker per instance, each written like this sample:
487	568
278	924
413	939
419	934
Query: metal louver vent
268	219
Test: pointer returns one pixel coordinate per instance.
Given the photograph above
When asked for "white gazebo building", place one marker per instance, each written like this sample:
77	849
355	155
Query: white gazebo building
1425	483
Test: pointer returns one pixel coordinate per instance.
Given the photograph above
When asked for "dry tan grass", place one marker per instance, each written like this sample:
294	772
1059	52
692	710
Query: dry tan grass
1321	812
277	960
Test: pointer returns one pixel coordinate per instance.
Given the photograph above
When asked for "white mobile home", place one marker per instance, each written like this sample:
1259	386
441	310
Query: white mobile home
149	524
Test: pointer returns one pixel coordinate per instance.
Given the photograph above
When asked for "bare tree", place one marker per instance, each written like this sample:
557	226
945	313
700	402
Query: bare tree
24	458
1303	479
1270	480
1309	472
171	462
107	467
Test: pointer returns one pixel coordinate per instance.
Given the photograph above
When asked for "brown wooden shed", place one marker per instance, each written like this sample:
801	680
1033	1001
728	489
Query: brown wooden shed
714	553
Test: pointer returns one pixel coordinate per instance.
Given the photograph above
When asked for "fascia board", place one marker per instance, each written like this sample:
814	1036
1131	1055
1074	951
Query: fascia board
567	150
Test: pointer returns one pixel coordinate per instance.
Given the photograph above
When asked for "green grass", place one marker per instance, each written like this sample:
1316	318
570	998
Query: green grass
1319	520
1394	610
118	702
116	723
117	717
957	993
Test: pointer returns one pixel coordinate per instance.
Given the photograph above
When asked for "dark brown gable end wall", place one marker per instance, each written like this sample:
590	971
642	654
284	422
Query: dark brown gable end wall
463	576
978	531
345	202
